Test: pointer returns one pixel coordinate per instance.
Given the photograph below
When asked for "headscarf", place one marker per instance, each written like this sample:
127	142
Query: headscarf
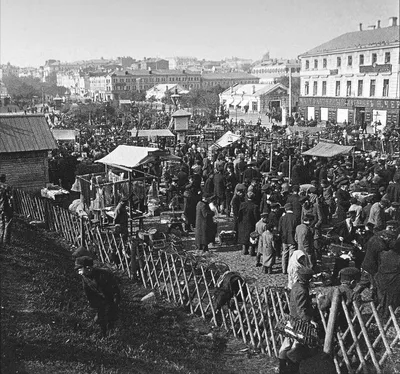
295	265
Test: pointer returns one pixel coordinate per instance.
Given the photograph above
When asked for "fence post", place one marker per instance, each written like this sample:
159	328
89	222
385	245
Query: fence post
46	215
330	328
82	231
134	262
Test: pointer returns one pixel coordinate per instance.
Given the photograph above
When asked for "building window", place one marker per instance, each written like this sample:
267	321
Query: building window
306	88
339	62
349	60
348	88
337	89
372	86
374	58
324	63
387	57
385	92
307	64
360	88
361	59
315	88
323	88
315	64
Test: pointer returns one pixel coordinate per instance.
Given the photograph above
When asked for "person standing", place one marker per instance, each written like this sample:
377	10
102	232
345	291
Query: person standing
388	279
230	184
300	306
205	228
342	200
219	183
377	214
121	218
102	291
6	211
266	249
304	239
248	217
287	229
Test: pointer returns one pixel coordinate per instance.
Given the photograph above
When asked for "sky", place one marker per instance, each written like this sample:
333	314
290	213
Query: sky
33	31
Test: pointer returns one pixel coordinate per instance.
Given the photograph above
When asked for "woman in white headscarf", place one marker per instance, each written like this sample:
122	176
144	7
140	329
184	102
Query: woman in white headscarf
297	260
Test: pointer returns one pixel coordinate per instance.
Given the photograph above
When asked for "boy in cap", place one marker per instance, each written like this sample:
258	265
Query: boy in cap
102	291
349	279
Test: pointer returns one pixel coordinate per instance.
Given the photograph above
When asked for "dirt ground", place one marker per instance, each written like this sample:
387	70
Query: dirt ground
47	326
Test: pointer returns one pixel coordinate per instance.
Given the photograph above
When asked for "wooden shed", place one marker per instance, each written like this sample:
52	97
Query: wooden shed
25	142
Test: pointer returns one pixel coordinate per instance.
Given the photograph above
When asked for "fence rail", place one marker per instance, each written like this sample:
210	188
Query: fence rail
368	342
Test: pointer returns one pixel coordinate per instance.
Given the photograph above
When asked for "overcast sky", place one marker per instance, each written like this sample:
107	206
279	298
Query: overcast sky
33	31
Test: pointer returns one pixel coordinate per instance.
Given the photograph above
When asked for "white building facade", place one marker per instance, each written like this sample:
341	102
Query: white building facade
354	78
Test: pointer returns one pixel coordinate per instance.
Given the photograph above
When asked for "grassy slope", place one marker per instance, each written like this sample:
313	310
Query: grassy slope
46	324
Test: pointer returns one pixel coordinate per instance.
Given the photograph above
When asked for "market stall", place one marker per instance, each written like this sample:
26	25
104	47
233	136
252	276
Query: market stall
124	177
323	149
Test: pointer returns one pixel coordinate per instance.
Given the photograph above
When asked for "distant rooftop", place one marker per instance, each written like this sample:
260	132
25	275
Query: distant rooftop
358	39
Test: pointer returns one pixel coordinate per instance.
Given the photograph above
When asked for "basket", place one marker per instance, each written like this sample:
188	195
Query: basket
297	329
227	237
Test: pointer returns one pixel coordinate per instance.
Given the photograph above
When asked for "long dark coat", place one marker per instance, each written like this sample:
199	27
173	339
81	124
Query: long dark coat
248	217
219	186
191	198
205	227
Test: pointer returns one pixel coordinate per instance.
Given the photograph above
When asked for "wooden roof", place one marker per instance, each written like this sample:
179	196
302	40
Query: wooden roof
24	133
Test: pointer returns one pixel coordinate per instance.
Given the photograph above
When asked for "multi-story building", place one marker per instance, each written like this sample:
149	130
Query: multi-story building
77	82
154	64
269	69
98	85
354	77
226	80
120	83
9	69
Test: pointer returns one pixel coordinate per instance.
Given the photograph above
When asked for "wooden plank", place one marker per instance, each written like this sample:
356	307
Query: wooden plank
214	318
366	338
256	323
198	294
354	335
271	327
187	285
240	319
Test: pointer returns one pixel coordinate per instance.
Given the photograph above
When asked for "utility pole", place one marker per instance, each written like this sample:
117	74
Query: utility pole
290	91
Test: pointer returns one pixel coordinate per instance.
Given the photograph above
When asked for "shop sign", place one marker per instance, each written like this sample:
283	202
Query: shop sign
375	68
330	102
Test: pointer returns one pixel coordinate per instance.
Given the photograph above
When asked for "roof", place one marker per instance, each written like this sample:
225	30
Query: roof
152	133
64	134
24	133
327	150
259	89
232	75
358	39
129	156
181	113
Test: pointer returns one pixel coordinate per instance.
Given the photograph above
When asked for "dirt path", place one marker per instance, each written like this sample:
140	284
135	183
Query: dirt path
46	325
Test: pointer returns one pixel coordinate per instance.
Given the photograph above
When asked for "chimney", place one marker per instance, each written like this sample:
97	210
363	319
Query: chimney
254	89
149	69
360	27
378	24
392	21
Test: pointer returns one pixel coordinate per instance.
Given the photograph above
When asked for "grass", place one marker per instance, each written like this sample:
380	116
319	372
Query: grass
46	324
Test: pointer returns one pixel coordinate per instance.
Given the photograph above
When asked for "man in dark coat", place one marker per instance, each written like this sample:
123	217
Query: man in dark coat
236	201
388	279
205	227
102	291
380	242
393	190
183	178
287	229
121	218
249	215
294	199
345	230
219	188
191	197
342	200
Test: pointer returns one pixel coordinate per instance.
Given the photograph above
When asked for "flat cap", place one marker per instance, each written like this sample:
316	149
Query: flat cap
305	272
83	261
288	206
349	274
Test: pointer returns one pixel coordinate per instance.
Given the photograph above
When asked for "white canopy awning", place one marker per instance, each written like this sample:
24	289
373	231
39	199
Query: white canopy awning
226	139
151	133
129	157
66	135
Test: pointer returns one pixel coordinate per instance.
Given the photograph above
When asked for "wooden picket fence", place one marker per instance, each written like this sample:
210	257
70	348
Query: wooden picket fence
368	345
